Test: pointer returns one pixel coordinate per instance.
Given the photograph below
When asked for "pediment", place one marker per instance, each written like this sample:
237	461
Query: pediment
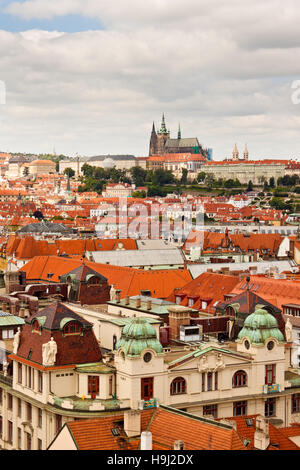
209	359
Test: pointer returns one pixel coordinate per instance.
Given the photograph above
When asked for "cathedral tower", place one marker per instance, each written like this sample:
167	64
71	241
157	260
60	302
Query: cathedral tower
162	136
235	153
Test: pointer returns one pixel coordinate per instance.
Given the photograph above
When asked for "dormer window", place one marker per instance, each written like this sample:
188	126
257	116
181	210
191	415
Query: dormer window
72	328
36	327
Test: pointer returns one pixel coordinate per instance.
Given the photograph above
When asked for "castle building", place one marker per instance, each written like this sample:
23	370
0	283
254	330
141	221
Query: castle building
161	143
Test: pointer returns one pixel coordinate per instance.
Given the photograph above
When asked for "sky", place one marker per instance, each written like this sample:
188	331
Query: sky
90	77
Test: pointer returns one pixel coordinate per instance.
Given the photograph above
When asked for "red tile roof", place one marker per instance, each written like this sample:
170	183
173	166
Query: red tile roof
278	438
129	280
209	287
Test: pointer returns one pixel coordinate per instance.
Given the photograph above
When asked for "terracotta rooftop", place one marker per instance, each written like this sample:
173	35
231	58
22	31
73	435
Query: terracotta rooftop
129	280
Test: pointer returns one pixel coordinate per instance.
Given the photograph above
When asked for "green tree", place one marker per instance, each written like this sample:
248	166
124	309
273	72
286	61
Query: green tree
250	186
184	175
272	182
87	170
69	172
138	175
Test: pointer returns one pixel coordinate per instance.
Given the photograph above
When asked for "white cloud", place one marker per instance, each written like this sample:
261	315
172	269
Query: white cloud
222	68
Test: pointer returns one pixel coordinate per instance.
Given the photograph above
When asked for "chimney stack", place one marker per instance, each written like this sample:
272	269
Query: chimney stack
261	435
138	302
126	299
118	296
178	315
149	304
146	440
132	422
22	312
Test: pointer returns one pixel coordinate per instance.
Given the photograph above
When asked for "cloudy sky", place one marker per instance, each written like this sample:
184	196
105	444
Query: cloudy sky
90	77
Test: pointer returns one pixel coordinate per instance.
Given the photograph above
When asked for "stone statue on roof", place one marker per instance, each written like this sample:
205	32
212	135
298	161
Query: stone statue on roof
49	351
16	342
112	293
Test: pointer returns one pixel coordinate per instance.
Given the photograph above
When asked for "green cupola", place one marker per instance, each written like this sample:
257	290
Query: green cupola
259	327
137	336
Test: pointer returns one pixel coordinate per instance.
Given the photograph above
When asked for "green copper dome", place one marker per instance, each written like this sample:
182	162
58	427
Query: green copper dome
260	326
137	336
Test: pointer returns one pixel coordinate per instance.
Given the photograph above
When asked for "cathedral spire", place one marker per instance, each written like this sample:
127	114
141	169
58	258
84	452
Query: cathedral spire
179	132
163	129
235	153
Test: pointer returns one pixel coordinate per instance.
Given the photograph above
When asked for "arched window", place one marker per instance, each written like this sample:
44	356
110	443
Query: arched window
178	386
36	327
72	328
239	379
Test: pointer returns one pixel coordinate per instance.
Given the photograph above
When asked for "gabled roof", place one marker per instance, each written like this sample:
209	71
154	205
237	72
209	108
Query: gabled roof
71	349
247	301
129	280
166	424
278	437
82	272
209	287
276	291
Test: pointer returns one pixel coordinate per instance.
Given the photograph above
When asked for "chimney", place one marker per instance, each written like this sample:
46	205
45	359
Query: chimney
146	440
126	299
4	307
138	302
118	296
132	422
13	309
261	435
178	315
22	312
149	304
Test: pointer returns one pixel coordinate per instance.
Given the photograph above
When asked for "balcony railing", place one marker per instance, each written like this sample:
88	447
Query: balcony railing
6	379
274	388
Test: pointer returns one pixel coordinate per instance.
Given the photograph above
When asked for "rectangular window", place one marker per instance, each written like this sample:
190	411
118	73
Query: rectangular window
203	381
1	396
1	426
239	408
10	432
29	377
9	401
40	445
296	403
209	381
19	408
270	407
29	411
58	421
93	385
147	388
270	377
40	417
216	380
40	381
28	441
110	385
19	438
19	373
210	410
